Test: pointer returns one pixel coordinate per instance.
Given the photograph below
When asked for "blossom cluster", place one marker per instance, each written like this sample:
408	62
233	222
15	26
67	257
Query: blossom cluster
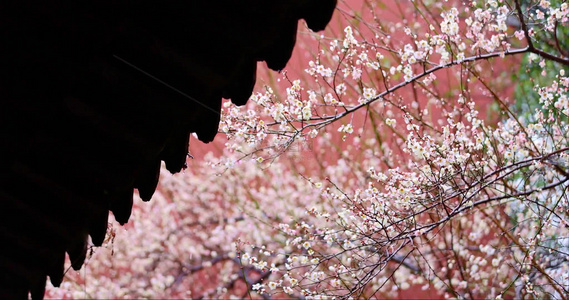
394	165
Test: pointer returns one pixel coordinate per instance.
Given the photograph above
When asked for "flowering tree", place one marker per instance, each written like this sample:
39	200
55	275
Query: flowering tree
424	148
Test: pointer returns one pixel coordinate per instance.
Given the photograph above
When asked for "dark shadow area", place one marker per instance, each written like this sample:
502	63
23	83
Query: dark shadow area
95	94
